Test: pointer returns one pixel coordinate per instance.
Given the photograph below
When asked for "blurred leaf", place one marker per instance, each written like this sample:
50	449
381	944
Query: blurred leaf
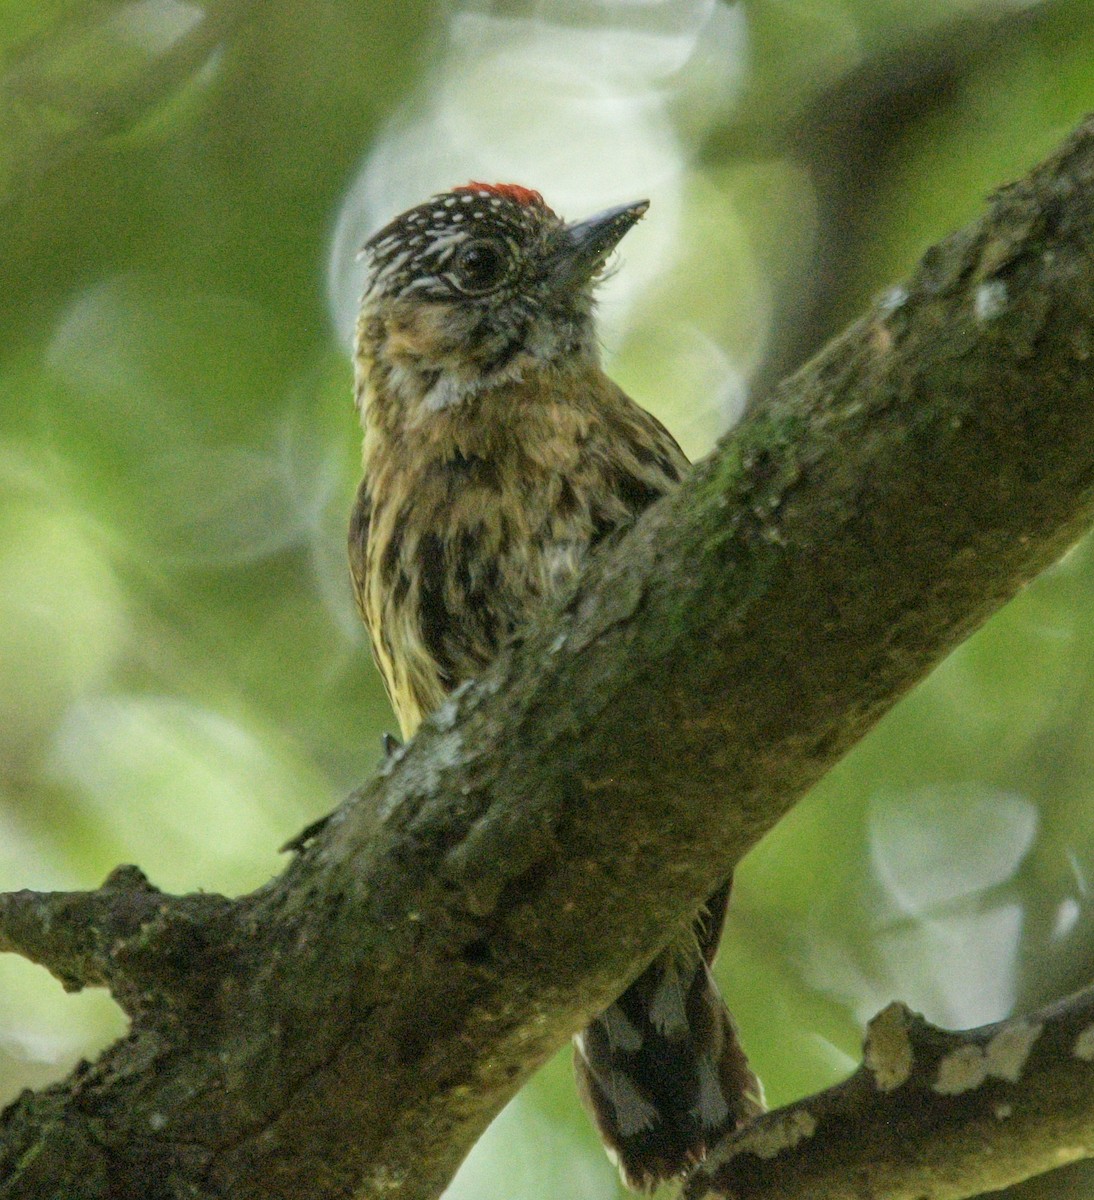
177	783
96	70
62	619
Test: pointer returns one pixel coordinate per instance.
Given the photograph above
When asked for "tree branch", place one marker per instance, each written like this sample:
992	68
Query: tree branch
930	1115
123	937
351	1028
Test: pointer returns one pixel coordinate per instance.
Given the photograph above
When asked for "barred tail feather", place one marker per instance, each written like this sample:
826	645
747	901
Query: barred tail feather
662	1071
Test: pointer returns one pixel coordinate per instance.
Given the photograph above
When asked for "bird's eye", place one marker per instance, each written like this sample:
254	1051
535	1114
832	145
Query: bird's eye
481	267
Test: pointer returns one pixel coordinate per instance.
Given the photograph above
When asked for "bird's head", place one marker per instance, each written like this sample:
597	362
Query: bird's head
478	286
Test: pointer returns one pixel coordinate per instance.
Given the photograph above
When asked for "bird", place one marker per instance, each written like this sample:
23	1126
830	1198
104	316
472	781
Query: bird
497	455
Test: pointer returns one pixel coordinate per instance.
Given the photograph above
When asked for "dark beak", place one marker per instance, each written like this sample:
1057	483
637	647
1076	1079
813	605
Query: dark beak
588	243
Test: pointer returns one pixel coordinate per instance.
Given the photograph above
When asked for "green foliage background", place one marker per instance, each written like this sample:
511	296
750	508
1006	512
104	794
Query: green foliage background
183	682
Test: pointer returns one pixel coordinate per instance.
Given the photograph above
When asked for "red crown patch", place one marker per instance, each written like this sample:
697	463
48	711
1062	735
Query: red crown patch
510	191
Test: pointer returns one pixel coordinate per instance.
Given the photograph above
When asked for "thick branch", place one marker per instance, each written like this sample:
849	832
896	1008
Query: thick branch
930	1115
362	1018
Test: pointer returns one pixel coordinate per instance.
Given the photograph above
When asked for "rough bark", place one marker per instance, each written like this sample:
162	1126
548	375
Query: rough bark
929	1115
350	1029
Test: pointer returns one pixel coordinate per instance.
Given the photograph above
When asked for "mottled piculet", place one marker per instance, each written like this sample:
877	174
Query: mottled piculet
497	455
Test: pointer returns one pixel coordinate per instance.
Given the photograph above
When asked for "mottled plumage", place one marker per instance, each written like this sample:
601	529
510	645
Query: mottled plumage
492	508
497	455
